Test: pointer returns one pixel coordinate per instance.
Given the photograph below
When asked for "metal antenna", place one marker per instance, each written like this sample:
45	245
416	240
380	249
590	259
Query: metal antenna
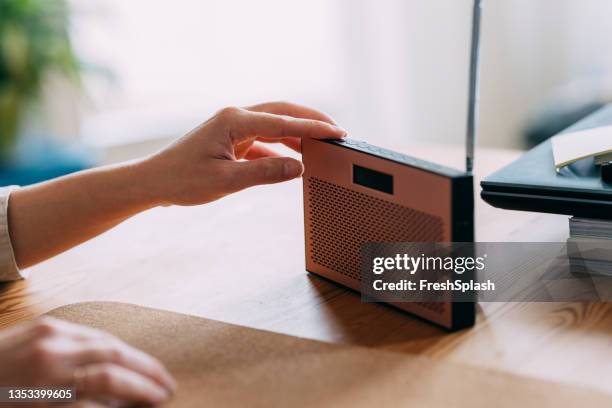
474	89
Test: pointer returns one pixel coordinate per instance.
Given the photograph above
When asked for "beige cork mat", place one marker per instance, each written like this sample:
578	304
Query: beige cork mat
219	364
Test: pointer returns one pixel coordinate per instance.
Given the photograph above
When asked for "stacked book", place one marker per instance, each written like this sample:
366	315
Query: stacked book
589	247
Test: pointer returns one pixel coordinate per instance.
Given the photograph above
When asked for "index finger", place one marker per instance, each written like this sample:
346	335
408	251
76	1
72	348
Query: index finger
247	124
292	109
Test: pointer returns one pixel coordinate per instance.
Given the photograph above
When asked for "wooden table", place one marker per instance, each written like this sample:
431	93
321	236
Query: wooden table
241	260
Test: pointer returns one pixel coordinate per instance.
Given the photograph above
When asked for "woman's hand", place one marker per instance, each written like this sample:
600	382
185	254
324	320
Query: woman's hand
206	164
225	154
53	353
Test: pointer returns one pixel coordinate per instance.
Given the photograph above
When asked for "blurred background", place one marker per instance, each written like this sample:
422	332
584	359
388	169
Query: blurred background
84	82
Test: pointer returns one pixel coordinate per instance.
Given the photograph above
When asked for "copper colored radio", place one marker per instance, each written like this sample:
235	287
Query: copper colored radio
356	193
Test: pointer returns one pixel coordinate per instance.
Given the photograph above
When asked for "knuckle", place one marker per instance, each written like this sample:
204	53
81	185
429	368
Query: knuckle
312	128
41	353
105	377
283	132
116	355
108	350
284	103
228	113
102	335
46	326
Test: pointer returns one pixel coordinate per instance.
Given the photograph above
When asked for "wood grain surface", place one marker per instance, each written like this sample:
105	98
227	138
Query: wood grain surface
240	260
217	364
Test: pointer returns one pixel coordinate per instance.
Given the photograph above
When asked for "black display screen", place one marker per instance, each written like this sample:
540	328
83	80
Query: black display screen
373	179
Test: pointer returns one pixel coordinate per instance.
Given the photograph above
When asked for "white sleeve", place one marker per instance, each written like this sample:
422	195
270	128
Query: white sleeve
8	267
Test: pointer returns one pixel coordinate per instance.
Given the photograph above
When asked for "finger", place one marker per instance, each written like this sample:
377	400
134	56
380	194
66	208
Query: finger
245	124
48	325
41	328
293	143
259	152
80	332
108	380
24	333
119	353
263	171
292	109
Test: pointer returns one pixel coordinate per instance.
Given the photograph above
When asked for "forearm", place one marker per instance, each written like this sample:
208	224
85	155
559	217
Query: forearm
48	218
215	159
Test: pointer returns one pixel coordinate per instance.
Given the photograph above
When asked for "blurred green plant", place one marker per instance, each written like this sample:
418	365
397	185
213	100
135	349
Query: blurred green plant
34	41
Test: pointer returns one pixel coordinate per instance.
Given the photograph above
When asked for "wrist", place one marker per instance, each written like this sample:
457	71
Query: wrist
139	185
147	184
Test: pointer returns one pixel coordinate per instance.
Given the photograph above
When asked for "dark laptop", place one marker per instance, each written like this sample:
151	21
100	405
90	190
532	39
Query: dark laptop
532	184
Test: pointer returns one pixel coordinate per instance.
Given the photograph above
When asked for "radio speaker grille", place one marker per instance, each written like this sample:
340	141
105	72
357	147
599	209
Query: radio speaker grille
341	220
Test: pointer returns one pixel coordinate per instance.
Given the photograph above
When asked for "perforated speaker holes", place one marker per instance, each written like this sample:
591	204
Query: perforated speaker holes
343	219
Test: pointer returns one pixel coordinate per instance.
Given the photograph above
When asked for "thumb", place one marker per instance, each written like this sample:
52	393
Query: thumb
268	170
